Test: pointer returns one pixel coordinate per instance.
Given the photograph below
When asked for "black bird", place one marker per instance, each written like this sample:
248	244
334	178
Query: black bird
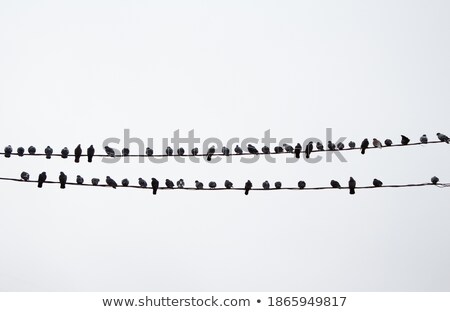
169	151
424	139
265	150
238	150
225	151
228	184
170	184
180	151
251	149
20	151
388	142
352	144
301	184
309	149
125	182
155	185
109	151
364	146
194	151
142	183
90	153
212	185
25	176
340	146
266	185
288	148
278	185
95	181
62	180
198	185
125	151
80	179
405	140
32	150
248	186
298	150
41	179
211	152
180	183
8	151
352	185
443	138
434	180
111	182
377	183
48	152
278	149
319	146
78	152
149	151
335	184
64	152
331	146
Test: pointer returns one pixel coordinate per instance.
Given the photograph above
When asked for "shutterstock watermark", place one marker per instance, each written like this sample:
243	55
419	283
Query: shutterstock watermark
189	142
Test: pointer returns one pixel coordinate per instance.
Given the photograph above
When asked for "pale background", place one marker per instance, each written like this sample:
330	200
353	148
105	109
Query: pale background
82	71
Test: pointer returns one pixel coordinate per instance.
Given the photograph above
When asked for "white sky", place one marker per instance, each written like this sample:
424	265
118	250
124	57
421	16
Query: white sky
81	71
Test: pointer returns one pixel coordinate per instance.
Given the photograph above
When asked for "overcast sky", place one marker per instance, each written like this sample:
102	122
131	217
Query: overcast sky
83	71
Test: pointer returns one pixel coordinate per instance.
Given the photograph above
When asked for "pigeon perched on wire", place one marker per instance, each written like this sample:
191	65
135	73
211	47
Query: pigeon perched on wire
238	150
335	184
198	185
278	185
331	146
212	185
210	152
125	182
48	152
298	149
32	150
251	149
364	146
288	148
180	151
125	151
388	142
278	149
434	180
62	180
319	146
265	150
443	138
24	176
377	143
301	184
225	151
90	153
228	184
142	183
377	183
194	151
41	179
169	184
155	185
248	186
149	151
169	151
352	185
80	179
351	144
340	146
95	181
405	140
180	183
20	151
8	151
109	151
78	152
111	182
64	152
266	185
424	139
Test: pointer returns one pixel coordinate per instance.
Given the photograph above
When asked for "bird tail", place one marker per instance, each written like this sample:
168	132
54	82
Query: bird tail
77	159
39	184
246	192
363	151
89	159
352	191
48	156
63	186
154	191
307	155
208	158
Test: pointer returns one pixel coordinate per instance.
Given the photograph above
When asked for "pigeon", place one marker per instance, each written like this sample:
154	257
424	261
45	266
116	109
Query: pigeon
142	183
377	143
8	151
340	146
388	142
90	153
377	183
301	184
248	186
288	148
266	185
111	182
170	184
352	185
212	185
180	183
228	184
32	150
198	185
278	185
278	149
169	151
62	180
155	185
109	151
78	152
351	144
25	176
95	181
265	150
80	179
335	184
210	152
194	151
125	151
65	152
180	151
364	146
148	151
319	146
331	146
238	150
225	151
443	138
434	180
298	150
41	179
251	149
424	139
125	182
20	151
48	152
405	140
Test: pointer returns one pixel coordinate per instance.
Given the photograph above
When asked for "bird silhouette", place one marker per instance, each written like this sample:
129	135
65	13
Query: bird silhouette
48	152
109	151
319	146
265	150
198	185
225	151
266	185
25	176
331	146
405	140
8	151
443	138
149	151
228	184
288	148
80	179
388	142
32	150
169	151
351	144
95	181
64	152
20	151
210	152
434	180
212	185
180	183
340	145
125	151
364	146
238	150
377	143
248	186
278	149
194	151
298	150
41	179
90	153
377	183
424	139
142	183
278	185
62	180
125	182
170	184
335	184
111	182
155	185
251	149
78	152
301	184
180	151
352	185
